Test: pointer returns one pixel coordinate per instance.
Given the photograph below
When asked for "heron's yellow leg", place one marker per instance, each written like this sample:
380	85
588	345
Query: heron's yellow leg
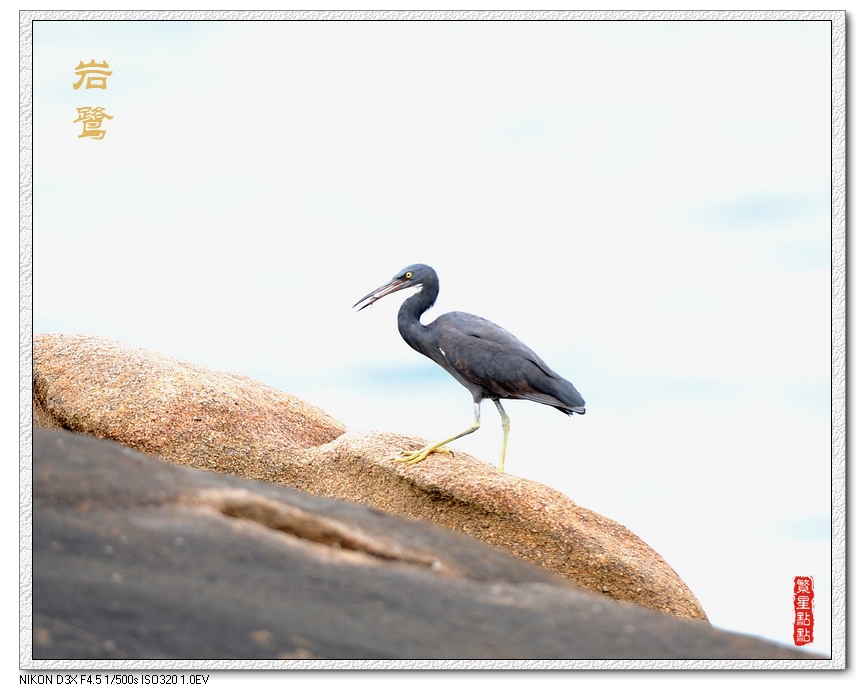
413	457
506	427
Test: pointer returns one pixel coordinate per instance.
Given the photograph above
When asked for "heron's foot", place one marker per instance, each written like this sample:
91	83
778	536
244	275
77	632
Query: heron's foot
412	457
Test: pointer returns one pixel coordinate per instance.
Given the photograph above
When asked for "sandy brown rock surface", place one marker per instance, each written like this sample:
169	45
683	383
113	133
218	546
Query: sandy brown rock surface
225	422
186	413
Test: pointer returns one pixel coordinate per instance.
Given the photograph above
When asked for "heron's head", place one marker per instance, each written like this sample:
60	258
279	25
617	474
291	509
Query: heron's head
416	275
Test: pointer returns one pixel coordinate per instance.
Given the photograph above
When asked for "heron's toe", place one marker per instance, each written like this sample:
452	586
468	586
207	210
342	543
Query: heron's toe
412	457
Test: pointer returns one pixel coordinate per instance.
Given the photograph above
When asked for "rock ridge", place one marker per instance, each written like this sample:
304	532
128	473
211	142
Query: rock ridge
225	422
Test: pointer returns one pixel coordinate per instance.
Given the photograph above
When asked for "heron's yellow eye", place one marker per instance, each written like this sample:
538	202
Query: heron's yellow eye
408	275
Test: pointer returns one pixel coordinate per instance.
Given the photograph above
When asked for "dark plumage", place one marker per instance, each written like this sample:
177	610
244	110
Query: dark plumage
482	356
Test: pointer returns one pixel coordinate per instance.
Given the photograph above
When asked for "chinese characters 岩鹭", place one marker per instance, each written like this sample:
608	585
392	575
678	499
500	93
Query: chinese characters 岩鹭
93	75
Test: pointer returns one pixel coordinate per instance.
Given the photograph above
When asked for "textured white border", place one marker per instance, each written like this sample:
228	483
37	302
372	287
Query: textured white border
838	332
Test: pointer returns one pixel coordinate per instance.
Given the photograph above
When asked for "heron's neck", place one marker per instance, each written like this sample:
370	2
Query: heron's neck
408	319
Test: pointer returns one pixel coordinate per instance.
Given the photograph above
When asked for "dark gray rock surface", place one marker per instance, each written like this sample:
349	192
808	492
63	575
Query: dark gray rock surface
137	558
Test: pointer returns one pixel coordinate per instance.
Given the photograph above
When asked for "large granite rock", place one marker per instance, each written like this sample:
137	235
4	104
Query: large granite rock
137	558
222	421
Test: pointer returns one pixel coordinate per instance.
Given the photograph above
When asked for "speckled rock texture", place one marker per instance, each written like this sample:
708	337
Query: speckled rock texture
225	422
137	558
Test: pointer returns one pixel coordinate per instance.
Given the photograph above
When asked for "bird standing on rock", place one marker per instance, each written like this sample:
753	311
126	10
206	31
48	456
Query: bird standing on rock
482	356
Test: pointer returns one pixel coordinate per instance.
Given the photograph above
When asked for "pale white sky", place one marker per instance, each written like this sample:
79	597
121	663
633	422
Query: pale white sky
645	204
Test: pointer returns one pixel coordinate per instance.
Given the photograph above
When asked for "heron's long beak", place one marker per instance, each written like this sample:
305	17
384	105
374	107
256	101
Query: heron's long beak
386	289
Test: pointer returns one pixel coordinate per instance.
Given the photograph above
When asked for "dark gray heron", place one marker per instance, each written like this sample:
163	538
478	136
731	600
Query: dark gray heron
482	356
